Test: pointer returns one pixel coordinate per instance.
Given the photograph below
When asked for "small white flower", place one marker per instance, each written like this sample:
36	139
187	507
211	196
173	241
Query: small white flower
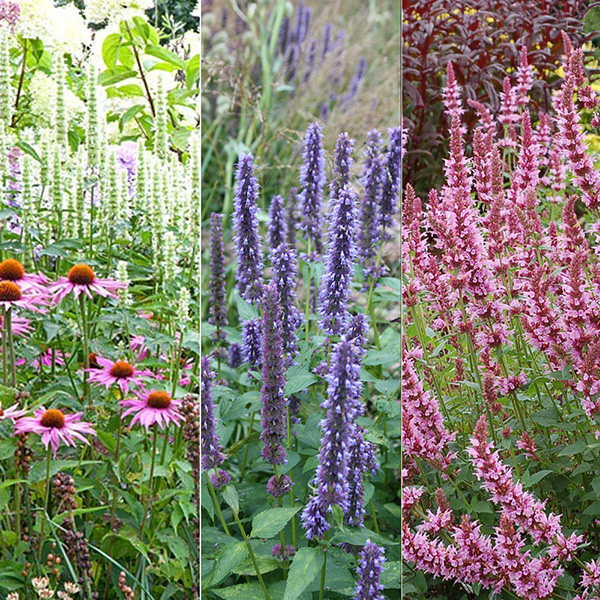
40	583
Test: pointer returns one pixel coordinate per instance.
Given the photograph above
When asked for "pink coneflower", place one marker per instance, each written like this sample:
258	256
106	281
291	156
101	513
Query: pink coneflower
55	427
12	412
120	372
138	344
81	279
11	295
153	407
19	325
45	359
13	270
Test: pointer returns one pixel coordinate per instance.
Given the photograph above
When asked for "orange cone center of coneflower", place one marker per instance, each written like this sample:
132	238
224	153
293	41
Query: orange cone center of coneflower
121	369
159	400
53	418
9	291
81	275
93	360
11	269
1	413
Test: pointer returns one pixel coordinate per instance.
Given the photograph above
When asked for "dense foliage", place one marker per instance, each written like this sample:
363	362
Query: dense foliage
500	375
300	333
99	298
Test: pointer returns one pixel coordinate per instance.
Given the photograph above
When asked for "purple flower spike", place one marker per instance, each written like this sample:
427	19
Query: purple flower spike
216	286
285	272
361	460
369	573
355	84
372	181
312	177
245	225
279	487
220	479
335	284
235	358
212	455
342	406
357	332
343	162
251	342
273	411
278	225
391	185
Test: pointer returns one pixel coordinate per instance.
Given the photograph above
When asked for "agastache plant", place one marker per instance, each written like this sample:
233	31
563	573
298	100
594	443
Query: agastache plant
341	251
278	225
285	272
312	178
245	225
369	585
342	406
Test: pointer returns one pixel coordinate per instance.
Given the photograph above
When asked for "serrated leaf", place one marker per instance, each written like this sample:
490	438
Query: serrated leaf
548	417
265	564
229	558
246	311
231	497
270	522
358	536
306	566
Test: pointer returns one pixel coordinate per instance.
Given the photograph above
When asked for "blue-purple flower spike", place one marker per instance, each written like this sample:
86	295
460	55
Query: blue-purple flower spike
369	586
235	358
391	184
285	272
361	460
212	455
252	342
216	286
342	163
274	404
331	480
245	225
312	177
372	182
337	275
278	224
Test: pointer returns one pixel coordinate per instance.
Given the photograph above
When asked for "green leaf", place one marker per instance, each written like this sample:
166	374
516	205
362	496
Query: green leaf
577	448
166	55
244	591
28	149
192	73
392	575
381	357
265	564
392	282
246	311
270	522
306	566
537	477
358	536
591	21
229	558
118	74
231	497
395	509
7	395
110	49
548	417
299	380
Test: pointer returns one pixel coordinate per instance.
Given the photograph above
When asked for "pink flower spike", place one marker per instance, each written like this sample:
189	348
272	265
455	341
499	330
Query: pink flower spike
55	427
119	372
153	407
12	412
81	279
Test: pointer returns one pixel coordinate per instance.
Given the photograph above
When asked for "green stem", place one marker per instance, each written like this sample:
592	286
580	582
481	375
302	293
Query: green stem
243	470
323	571
148	502
252	557
11	348
211	489
86	352
46	501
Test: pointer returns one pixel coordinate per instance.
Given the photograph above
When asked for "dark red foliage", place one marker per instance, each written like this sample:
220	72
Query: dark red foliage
482	39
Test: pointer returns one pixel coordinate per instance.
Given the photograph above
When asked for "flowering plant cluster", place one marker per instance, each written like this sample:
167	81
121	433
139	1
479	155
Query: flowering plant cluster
500	377
301	379
99	285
